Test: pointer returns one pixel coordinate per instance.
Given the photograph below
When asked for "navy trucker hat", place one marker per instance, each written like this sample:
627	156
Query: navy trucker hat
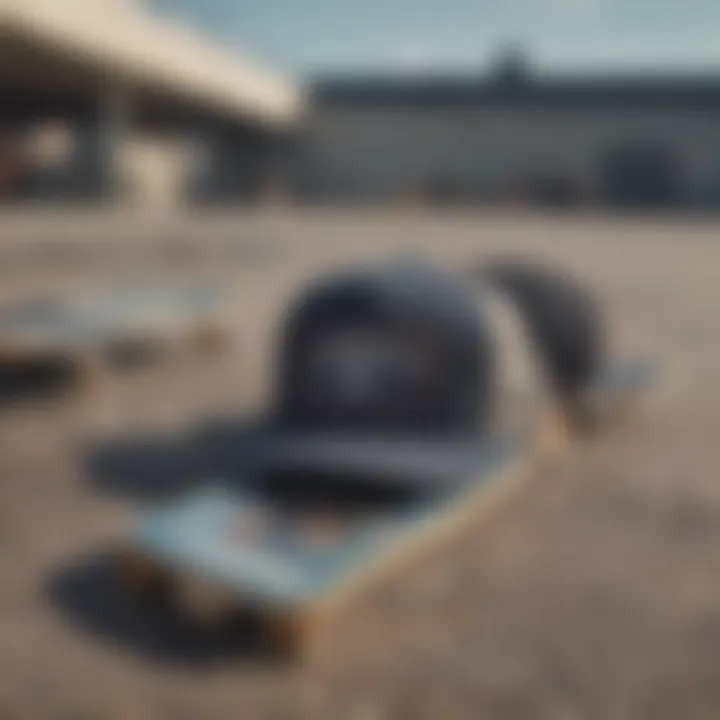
384	373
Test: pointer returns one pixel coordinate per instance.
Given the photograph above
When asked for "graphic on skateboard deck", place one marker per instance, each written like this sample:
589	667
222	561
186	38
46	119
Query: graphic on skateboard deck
286	554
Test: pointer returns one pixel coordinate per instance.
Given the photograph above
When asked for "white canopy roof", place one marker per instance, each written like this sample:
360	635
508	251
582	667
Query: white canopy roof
123	39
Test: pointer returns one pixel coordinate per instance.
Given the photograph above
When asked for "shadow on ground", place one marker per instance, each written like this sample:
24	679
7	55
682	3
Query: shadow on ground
28	382
90	596
32	381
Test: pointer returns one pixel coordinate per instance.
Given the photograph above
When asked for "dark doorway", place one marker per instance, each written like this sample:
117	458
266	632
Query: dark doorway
641	177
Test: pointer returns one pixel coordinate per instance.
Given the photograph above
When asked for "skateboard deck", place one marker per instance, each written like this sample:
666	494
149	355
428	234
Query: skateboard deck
616	390
104	321
287	552
293	554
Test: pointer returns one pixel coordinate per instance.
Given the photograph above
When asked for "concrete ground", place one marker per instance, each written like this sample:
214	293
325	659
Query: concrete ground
595	594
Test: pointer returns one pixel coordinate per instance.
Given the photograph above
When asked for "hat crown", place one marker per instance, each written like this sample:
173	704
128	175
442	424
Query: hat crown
398	349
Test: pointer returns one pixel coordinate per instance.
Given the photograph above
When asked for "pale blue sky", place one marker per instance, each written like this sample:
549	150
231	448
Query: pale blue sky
308	36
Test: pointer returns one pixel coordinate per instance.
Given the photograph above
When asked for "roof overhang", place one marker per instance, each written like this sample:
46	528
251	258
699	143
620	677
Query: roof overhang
78	44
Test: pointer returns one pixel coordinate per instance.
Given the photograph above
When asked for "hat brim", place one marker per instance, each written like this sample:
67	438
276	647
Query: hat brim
424	462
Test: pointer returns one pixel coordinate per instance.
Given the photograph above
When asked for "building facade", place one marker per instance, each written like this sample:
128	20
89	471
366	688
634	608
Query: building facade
515	138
